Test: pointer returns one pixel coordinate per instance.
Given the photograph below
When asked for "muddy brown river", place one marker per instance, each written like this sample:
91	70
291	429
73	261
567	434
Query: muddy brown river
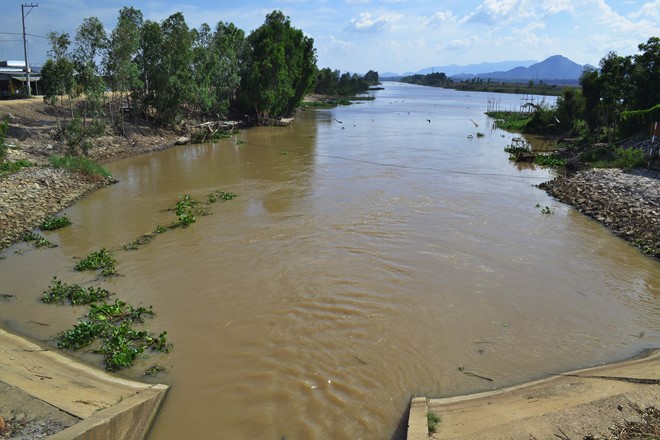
372	251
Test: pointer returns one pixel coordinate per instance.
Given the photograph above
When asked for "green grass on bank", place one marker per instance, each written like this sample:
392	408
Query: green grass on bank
79	164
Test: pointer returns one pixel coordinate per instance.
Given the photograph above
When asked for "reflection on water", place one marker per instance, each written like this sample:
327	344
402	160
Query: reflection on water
362	263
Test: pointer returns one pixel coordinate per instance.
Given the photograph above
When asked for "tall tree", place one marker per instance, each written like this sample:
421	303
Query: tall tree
57	74
165	62
91	40
592	93
280	69
646	75
120	65
205	67
616	88
230	46
150	66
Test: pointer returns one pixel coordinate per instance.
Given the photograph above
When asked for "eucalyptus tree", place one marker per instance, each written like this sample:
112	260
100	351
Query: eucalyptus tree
205	67
149	66
57	73
91	41
120	64
165	60
280	68
230	47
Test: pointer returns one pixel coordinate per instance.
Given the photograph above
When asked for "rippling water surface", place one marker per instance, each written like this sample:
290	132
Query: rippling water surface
369	254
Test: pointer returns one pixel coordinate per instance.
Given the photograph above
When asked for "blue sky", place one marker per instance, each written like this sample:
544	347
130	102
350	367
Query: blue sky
384	35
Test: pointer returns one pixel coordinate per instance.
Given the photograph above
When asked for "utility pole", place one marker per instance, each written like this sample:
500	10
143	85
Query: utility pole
27	66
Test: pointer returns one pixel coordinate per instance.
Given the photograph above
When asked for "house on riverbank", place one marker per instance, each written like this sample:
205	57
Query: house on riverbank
13	78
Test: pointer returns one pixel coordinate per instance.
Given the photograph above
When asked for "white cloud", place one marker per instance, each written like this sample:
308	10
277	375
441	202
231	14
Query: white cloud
499	11
649	11
556	6
367	22
443	16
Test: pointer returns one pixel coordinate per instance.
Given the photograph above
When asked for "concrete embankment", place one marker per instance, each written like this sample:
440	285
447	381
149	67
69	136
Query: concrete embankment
45	393
572	405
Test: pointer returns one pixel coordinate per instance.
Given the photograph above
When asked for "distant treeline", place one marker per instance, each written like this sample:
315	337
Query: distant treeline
333	83
439	79
436	79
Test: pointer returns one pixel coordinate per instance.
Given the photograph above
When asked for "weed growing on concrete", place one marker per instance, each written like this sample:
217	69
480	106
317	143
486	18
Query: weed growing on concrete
154	370
432	421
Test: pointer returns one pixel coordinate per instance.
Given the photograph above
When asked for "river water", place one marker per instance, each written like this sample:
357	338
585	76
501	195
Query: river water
372	251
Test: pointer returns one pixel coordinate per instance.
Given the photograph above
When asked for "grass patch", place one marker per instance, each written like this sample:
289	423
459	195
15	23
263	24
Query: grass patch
317	104
550	160
7	168
79	164
432	421
510	121
624	158
59	293
37	240
53	222
102	260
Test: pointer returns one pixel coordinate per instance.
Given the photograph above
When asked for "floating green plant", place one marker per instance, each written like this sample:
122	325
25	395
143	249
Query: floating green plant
102	260
60	292
53	222
37	240
110	328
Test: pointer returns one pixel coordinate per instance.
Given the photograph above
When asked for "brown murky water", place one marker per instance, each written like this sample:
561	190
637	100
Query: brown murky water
362	263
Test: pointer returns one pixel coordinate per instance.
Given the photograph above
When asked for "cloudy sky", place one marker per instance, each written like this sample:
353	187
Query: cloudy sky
384	35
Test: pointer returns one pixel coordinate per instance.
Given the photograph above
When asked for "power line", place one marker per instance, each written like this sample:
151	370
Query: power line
20	33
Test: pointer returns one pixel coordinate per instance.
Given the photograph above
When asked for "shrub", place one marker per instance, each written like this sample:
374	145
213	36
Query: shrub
3	136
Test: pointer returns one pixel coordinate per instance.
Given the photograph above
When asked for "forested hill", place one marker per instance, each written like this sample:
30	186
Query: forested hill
556	68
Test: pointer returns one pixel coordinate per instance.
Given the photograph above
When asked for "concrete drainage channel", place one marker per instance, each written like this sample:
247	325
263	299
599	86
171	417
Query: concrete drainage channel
574	405
44	393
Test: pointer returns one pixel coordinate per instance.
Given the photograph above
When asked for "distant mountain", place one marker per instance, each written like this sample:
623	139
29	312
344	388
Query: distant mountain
557	69
473	69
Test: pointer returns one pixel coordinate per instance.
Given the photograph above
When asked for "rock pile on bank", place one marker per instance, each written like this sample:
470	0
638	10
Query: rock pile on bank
27	197
627	202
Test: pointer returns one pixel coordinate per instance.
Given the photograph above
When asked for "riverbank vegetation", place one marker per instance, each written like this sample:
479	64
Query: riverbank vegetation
440	79
169	75
615	106
334	83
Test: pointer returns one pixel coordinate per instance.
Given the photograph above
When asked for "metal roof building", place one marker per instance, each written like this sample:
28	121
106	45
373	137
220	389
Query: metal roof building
12	78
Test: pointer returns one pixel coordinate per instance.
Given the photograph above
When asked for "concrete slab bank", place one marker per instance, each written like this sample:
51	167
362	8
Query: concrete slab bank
98	405
570	405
